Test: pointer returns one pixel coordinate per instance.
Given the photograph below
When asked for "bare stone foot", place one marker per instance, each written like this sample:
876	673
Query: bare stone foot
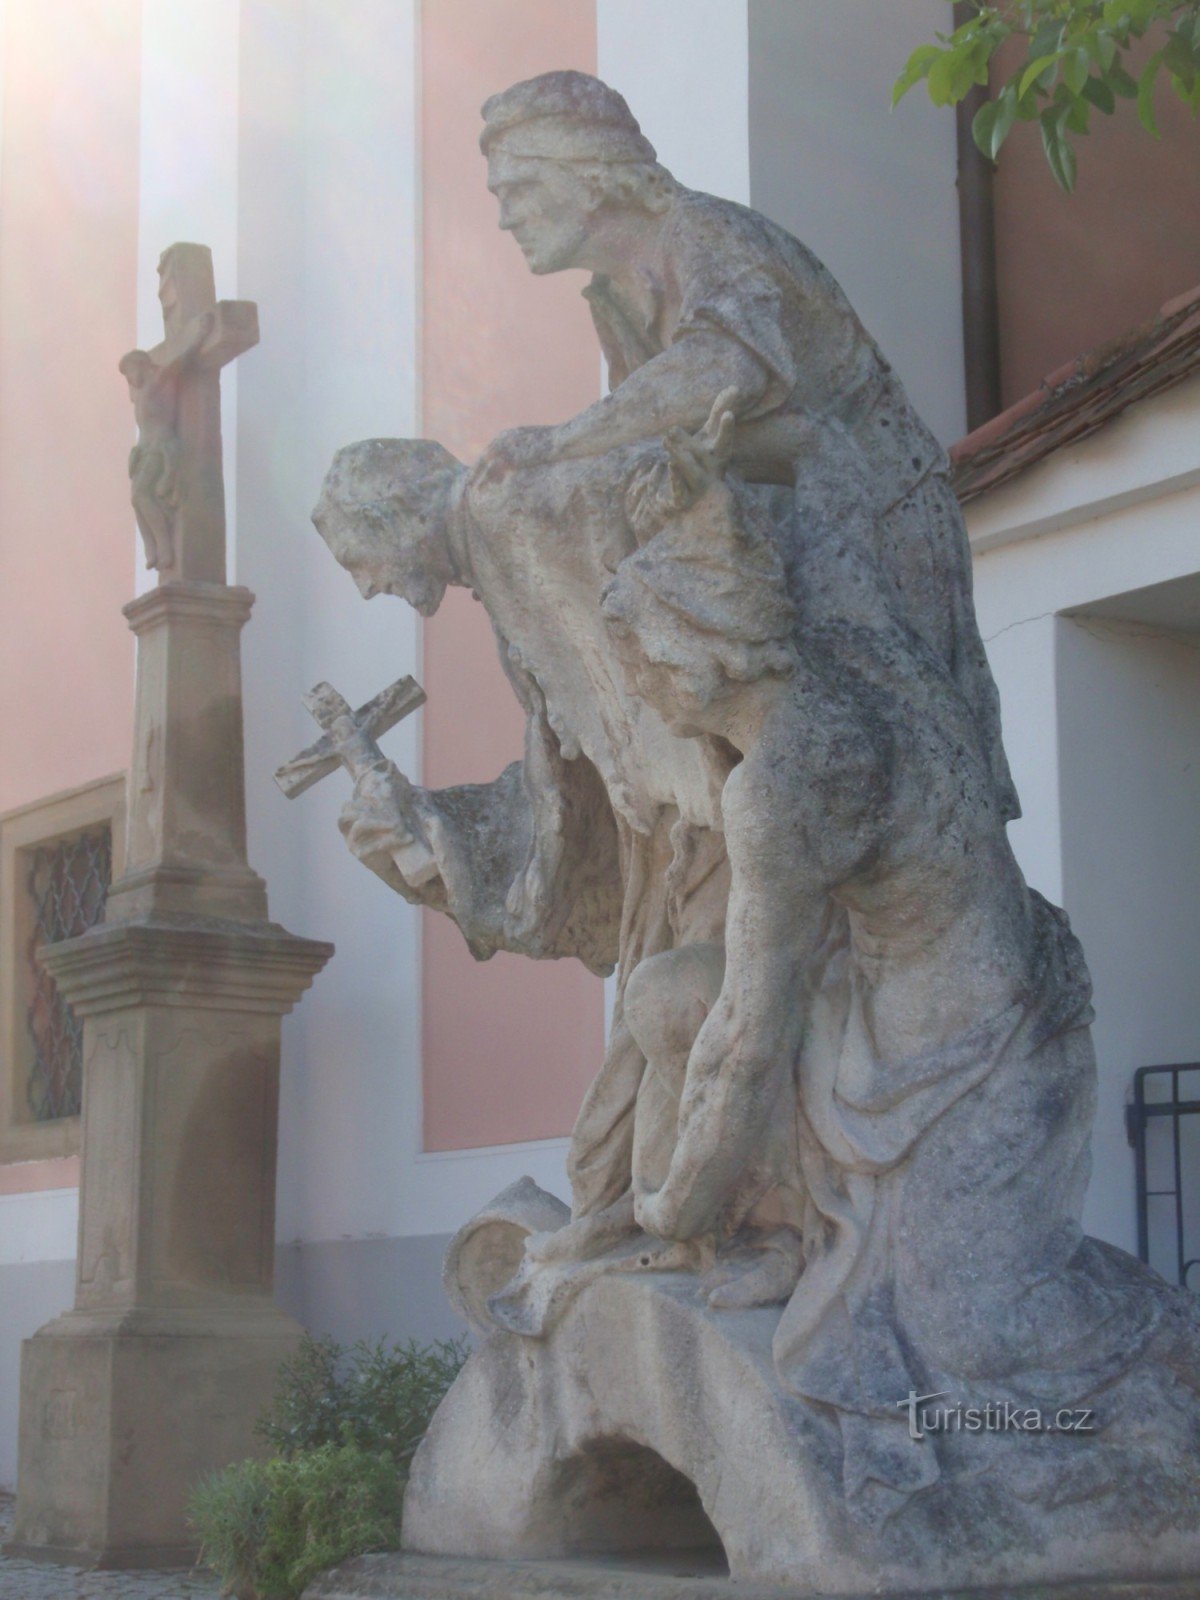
586	1237
776	1263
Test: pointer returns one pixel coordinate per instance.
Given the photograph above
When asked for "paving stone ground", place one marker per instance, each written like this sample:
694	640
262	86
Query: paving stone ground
29	1580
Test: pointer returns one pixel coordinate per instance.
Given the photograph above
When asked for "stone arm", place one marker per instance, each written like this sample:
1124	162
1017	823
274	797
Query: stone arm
526	863
675	389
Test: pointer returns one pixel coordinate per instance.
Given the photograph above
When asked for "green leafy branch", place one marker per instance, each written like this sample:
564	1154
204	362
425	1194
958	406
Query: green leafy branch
1076	62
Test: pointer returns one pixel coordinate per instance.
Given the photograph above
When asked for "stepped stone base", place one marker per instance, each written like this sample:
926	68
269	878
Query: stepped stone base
131	1411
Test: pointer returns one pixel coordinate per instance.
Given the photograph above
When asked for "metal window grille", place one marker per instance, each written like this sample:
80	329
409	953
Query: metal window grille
1163	1124
67	886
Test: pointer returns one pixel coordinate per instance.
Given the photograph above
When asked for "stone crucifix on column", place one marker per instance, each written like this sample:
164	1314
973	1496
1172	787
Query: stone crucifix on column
158	1373
178	488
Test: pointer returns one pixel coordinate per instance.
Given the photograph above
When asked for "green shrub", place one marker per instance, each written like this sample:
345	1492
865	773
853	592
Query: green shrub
344	1425
269	1527
228	1509
379	1397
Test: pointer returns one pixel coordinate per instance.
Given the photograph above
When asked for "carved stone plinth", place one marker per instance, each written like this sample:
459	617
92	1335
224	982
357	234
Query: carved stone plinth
170	1354
186	849
131	1408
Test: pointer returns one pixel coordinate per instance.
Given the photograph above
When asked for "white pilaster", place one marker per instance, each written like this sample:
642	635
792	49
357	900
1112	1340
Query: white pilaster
683	66
3	54
330	246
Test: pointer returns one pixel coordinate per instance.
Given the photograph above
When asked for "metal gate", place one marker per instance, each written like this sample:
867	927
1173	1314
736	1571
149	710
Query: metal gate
1167	1098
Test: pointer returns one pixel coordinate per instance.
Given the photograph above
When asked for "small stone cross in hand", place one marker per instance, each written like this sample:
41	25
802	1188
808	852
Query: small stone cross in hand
350	741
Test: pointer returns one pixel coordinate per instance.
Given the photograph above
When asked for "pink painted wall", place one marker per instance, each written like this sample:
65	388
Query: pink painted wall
510	1046
31	1177
68	283
1077	270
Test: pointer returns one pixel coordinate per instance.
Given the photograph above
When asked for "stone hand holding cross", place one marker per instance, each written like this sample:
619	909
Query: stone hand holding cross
350	741
177	482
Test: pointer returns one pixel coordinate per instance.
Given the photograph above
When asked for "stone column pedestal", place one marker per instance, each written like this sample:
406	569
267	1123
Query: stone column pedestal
186	844
160	1371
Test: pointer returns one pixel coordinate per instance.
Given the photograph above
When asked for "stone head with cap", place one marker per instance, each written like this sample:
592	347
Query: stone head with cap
561	149
385	512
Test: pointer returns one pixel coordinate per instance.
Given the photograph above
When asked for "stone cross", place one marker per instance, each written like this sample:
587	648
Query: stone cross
349	741
175	468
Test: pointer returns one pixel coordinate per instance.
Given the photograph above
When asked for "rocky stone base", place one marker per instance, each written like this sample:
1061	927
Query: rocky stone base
646	1421
409	1577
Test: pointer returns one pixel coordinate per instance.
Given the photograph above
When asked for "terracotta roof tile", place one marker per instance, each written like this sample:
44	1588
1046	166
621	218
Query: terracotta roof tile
1080	397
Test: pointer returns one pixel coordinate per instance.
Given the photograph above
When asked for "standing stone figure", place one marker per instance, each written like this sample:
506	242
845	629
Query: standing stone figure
827	1184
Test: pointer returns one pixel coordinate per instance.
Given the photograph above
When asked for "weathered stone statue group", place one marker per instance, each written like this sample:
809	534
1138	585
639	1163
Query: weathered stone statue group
834	1158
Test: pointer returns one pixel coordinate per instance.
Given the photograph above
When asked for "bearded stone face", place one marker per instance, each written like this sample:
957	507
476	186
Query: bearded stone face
545	206
383	513
388	572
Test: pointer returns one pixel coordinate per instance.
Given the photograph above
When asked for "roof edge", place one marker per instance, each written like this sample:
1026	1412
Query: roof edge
1080	397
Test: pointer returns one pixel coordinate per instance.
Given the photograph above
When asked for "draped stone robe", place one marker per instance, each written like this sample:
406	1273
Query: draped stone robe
604	842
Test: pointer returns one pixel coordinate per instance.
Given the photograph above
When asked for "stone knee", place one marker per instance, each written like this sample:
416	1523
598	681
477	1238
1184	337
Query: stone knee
668	997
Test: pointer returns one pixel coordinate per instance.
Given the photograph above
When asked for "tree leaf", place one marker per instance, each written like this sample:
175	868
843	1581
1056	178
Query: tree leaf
1177	56
980	61
1101	96
1075	66
1033	73
1058	151
1006	115
993	122
1028	106
1048	38
1145	94
1103	49
1078	113
917	67
983	125
946	86
1120	82
968	30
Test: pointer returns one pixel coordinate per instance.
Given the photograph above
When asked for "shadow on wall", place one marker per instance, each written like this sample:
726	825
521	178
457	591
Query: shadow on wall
367	1288
1129	751
31	1293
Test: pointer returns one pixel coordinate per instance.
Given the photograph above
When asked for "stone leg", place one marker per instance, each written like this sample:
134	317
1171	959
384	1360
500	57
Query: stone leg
666	1001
